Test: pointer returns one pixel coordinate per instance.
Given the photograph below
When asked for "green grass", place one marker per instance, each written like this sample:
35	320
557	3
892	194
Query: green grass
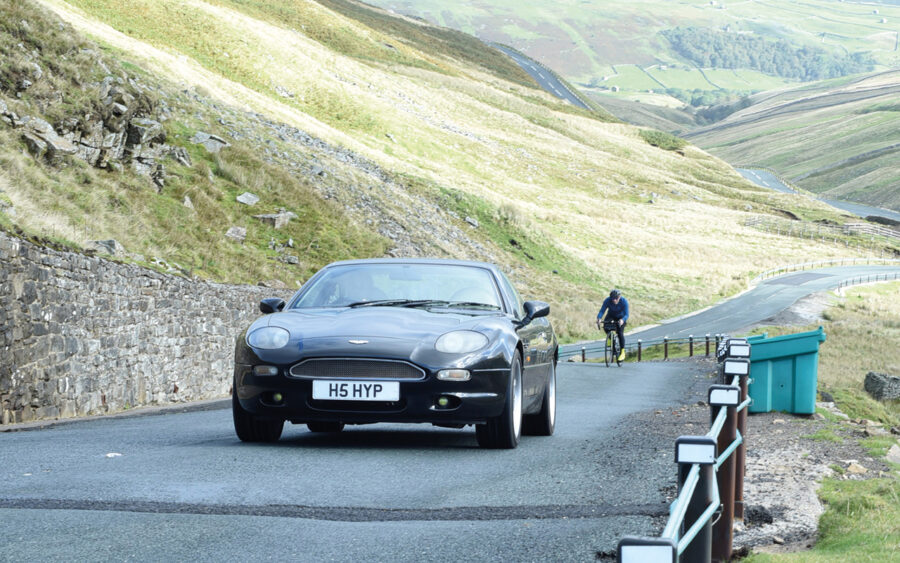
684	78
743	80
632	77
224	50
825	435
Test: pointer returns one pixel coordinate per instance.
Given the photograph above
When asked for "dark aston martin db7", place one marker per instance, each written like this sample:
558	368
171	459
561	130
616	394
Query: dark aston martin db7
444	342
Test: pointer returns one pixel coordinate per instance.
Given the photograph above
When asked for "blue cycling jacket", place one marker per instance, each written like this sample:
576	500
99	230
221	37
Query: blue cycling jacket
616	311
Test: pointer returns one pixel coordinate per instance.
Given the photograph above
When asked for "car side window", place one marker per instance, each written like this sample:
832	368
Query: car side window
510	290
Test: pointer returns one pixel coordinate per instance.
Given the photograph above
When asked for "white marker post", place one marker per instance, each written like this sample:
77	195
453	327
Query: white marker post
646	550
701	450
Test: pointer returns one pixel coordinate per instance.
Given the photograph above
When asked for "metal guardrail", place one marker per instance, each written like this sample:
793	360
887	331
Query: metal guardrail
820	263
710	477
595	348
873	278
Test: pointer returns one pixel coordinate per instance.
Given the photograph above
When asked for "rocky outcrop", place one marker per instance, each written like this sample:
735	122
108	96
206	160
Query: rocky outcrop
125	129
882	386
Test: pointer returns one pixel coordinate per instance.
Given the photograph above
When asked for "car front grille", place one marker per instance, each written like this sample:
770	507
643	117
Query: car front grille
356	368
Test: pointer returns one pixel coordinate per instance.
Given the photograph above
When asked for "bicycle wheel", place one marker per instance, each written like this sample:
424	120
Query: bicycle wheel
614	348
607	350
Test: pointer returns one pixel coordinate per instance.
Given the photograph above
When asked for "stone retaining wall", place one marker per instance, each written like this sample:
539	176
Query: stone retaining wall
82	335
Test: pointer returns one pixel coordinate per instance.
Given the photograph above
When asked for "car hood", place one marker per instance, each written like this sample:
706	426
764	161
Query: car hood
375	322
385	332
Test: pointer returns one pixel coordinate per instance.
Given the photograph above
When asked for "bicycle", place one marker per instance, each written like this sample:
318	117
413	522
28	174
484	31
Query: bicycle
611	350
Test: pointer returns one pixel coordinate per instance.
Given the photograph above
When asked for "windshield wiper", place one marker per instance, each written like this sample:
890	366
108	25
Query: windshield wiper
380	303
398	303
426	303
422	303
472	304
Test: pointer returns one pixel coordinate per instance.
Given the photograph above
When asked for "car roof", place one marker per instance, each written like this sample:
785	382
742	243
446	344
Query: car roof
439	261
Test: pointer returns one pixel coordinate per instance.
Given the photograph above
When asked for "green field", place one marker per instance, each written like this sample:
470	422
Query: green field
632	77
745	80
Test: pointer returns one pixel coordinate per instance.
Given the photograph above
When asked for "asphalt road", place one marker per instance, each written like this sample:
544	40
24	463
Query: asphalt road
180	486
769	180
547	80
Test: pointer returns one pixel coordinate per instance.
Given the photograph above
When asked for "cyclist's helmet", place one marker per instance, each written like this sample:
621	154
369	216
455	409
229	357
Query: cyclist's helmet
614	294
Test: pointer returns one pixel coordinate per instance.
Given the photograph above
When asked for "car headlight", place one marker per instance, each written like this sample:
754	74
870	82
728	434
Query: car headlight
461	342
269	338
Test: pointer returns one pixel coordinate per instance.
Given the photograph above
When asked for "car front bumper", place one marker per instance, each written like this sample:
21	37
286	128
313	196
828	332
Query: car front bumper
468	402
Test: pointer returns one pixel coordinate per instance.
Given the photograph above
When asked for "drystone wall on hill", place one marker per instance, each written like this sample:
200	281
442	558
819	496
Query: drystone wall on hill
82	335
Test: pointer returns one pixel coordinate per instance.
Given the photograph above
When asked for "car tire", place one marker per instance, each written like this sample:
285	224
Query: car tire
504	431
250	428
325	426
543	423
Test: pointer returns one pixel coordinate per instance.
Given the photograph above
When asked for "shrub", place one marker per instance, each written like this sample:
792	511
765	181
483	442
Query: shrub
662	139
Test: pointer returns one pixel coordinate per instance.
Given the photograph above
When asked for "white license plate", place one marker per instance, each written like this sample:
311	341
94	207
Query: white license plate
337	390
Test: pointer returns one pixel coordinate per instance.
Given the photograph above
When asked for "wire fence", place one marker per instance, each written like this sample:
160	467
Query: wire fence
859	235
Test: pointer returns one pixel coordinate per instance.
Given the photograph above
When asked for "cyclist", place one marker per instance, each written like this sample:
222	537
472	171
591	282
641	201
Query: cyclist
616	308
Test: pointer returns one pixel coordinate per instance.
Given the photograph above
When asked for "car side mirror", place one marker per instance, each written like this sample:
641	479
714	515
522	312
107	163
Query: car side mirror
271	305
533	310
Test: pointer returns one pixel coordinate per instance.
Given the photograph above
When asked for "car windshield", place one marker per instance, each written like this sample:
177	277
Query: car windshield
402	285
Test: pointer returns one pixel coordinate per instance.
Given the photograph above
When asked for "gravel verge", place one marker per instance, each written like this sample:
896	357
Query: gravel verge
787	458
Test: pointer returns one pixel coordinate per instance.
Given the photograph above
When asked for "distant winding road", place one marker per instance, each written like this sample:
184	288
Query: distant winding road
769	180
547	80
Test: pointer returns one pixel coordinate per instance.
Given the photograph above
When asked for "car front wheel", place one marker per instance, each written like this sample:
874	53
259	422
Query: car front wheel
250	428
504	431
543	423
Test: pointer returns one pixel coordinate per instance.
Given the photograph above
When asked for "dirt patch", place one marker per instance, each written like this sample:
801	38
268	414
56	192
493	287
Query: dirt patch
804	312
787	458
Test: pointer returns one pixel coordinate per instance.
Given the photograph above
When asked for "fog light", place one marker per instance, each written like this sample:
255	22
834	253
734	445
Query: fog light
447	402
276	397
265	370
454	375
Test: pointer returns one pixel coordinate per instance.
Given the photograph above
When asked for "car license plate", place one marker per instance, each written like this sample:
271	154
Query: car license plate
337	390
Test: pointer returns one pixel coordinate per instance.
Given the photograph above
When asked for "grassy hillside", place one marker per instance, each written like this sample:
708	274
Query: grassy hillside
680	65
838	139
415	145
